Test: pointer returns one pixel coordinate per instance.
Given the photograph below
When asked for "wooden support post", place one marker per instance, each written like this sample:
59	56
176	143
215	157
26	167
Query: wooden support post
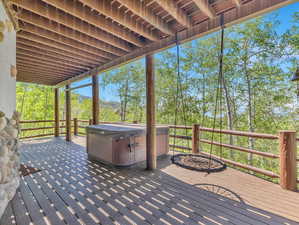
95	99
75	126
68	114
151	151
56	111
288	164
90	121
195	138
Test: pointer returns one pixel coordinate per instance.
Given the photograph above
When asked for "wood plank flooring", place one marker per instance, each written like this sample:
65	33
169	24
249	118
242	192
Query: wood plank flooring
70	189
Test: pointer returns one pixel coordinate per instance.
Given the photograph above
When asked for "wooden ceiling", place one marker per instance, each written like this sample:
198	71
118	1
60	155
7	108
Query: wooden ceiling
63	40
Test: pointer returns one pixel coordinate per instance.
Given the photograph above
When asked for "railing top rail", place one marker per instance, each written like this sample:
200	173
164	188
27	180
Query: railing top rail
232	132
39	121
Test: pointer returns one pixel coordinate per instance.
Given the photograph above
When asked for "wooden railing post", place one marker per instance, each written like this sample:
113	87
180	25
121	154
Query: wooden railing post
75	126
90	121
68	136
56	111
195	138
288	163
95	99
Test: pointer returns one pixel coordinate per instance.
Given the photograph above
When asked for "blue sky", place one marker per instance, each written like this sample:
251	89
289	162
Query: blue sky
109	94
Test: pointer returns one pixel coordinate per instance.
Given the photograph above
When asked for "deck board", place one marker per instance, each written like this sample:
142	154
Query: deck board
70	189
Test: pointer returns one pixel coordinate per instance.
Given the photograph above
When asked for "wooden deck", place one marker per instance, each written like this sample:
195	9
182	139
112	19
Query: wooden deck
72	190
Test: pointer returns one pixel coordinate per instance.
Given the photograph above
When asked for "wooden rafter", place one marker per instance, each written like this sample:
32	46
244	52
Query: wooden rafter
24	77
41	67
205	7
47	37
73	23
50	58
257	7
65	32
49	78
29	64
66	53
42	72
106	8
58	56
139	8
77	38
79	11
51	61
177	13
34	61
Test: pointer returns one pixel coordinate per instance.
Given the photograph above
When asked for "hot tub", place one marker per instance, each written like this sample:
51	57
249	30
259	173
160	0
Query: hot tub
122	145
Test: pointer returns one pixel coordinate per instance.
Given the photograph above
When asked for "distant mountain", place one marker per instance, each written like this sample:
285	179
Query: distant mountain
106	104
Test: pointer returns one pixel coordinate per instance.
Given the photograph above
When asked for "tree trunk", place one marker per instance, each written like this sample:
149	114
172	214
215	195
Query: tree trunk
250	111
126	100
229	115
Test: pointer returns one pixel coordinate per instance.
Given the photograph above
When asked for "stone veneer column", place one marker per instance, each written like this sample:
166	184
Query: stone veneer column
9	159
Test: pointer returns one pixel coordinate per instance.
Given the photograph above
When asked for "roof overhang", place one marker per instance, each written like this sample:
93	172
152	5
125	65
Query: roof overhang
60	42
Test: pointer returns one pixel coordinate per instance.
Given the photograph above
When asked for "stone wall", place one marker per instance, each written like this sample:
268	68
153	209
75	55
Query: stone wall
9	159
7	62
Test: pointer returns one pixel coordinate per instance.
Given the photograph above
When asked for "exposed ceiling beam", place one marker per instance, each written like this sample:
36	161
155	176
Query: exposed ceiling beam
28	60
42	72
45	76
205	7
77	10
106	8
37	78
75	24
43	59
176	12
66	53
237	2
139	8
50	58
49	38
257	8
41	67
56	55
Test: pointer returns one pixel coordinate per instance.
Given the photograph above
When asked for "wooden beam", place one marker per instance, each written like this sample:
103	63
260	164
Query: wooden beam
68	114
57	55
33	61
65	44
139	8
42	73
81	12
42	70
205	7
176	12
195	138
50	13
72	47
29	77
33	65
115	13
288	160
246	11
56	111
51	59
65	33
62	49
78	87
38	76
151	151
95	99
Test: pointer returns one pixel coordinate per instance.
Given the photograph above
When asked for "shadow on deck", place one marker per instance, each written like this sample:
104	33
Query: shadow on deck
70	189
